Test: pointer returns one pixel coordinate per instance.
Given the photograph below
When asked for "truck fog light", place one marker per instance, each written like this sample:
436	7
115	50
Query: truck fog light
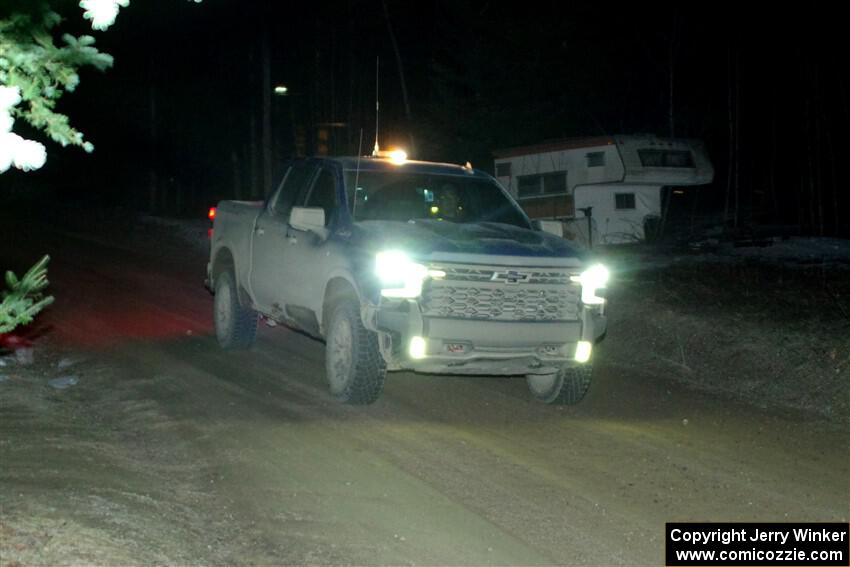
583	350
417	347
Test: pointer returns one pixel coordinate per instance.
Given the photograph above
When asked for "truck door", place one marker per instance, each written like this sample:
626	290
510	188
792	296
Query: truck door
306	251
272	273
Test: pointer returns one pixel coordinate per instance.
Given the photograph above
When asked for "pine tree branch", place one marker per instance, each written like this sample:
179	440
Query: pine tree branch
24	300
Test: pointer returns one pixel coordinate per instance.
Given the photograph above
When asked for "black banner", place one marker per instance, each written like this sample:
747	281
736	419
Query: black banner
757	544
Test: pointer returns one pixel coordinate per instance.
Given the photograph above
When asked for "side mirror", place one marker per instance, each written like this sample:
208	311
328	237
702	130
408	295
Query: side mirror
551	226
308	218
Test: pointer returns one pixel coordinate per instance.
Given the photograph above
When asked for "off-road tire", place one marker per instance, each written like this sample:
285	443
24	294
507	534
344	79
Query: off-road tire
568	386
235	325
353	362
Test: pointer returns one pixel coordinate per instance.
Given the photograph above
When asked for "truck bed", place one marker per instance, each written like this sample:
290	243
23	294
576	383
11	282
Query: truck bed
233	228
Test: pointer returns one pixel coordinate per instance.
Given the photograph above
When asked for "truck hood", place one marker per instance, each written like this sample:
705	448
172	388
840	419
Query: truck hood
422	238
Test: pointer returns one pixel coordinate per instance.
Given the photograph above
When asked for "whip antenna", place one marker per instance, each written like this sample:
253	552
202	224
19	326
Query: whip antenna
356	179
377	105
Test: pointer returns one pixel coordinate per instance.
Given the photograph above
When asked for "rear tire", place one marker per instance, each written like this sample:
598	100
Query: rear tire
568	386
235	325
353	362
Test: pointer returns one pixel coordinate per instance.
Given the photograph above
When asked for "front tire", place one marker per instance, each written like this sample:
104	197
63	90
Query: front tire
235	325
568	386
353	362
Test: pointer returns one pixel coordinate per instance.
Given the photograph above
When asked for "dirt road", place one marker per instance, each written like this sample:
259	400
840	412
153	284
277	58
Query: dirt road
172	451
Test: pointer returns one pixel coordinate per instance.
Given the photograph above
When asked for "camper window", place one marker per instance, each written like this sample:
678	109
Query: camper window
503	169
554	183
528	185
596	159
624	201
666	158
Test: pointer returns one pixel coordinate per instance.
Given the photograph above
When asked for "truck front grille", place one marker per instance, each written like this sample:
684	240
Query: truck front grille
456	273
533	294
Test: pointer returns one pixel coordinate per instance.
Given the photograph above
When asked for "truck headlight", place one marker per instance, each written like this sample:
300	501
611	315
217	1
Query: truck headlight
591	280
400	277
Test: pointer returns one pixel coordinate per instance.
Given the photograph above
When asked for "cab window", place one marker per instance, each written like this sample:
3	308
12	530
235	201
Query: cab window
295	183
324	194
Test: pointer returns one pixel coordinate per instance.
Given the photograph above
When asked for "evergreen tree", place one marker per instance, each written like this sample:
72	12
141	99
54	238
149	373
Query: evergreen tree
24	298
35	71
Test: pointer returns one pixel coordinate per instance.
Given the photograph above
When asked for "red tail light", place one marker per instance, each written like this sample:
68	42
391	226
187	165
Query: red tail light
211	213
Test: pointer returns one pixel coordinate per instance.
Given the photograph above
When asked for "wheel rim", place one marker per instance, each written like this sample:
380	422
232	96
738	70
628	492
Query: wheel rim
341	346
542	386
222	310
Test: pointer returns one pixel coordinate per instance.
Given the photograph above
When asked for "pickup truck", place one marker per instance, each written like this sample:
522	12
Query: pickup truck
410	265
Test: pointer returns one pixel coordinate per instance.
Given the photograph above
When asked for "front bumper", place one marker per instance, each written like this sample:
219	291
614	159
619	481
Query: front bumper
473	346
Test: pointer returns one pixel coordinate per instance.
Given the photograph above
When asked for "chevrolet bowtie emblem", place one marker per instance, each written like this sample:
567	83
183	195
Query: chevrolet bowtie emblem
511	277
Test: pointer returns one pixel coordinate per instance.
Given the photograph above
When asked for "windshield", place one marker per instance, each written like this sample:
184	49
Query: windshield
395	196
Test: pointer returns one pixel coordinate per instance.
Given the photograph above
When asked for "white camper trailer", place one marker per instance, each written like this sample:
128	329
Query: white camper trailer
617	180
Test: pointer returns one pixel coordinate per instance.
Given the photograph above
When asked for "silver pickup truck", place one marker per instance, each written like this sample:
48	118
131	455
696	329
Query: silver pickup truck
408	265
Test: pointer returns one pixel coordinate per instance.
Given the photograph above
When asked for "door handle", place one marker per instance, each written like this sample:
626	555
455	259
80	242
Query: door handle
259	231
291	239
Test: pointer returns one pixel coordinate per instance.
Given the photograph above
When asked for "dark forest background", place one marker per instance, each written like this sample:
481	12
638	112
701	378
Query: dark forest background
188	114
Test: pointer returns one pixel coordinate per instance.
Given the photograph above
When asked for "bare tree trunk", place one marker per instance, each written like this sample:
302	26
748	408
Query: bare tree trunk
255	190
178	199
237	176
694	208
774	202
737	140
817	150
846	111
297	145
165	192
810	185
316	103
833	177
153	181
801	194
667	193
671	62
332	148
843	96
267	104
834	180
731	156
400	66
352	65
670	110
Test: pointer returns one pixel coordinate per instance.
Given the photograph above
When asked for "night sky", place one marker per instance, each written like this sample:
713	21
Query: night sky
182	109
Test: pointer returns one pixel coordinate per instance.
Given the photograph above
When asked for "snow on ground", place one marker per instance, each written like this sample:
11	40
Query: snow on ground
790	253
808	250
769	325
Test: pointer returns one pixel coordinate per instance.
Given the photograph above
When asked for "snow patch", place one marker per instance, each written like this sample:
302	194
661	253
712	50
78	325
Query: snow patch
800	250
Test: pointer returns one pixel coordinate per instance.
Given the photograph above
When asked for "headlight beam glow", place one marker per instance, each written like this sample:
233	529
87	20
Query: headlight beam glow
591	280
400	277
